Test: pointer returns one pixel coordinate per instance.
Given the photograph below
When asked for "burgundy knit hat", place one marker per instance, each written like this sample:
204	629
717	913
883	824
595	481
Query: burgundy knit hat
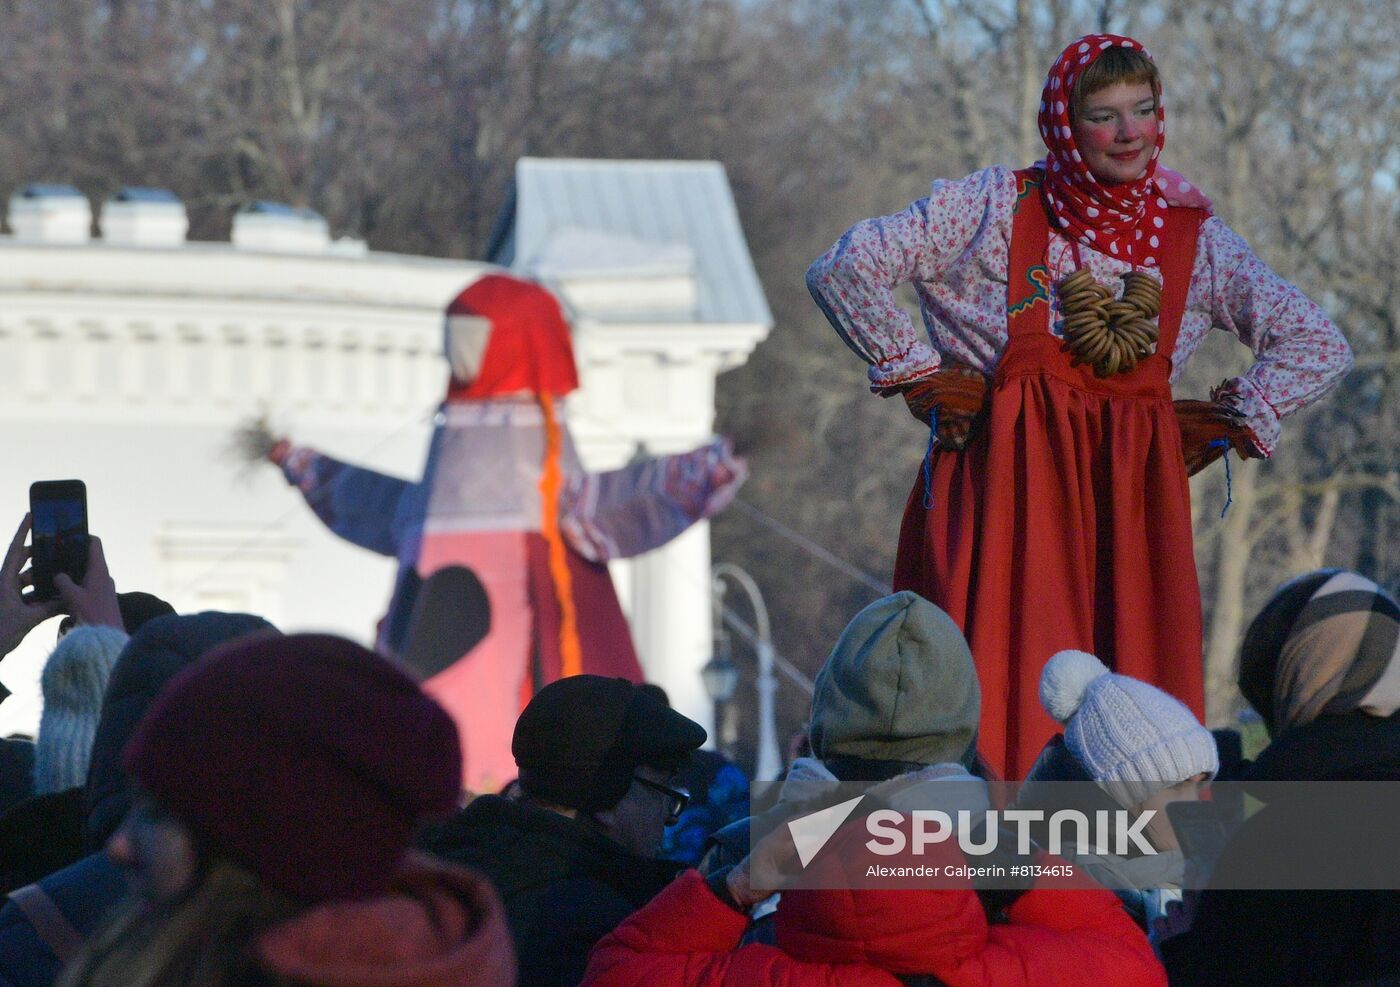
305	758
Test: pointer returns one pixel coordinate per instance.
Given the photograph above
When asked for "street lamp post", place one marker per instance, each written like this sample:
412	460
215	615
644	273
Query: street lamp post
721	678
769	763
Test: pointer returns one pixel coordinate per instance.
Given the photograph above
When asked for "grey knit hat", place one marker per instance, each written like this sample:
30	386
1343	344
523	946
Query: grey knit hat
1132	738
73	683
899	686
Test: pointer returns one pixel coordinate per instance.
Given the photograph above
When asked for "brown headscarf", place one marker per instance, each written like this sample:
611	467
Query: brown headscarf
1326	644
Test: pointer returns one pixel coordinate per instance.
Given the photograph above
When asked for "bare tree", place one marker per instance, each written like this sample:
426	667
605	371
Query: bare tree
1294	127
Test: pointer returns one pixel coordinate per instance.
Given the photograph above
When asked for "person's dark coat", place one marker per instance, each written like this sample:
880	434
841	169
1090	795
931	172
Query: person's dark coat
565	885
85	894
39	836
16	769
1298	937
86	891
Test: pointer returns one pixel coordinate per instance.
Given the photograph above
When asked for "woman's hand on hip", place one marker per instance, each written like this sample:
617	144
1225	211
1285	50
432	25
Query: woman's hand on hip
958	395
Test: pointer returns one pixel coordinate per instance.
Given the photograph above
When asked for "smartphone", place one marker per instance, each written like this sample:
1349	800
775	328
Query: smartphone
59	533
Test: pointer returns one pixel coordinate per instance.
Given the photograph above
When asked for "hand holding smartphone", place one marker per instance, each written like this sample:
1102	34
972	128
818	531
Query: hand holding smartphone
59	536
19	613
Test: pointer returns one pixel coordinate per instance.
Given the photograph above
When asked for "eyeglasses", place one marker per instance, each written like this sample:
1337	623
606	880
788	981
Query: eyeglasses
676	798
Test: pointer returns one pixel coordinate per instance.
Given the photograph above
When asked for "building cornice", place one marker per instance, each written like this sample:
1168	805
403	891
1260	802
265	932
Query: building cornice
216	271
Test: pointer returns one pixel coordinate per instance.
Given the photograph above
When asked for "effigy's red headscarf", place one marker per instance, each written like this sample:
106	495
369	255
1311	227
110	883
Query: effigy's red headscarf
529	348
1124	220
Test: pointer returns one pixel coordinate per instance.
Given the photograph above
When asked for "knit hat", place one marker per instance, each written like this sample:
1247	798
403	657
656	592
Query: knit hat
160	650
1132	738
73	683
306	758
581	738
136	609
899	686
1326	644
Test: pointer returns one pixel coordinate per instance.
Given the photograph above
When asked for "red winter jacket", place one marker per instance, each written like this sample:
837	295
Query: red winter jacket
865	938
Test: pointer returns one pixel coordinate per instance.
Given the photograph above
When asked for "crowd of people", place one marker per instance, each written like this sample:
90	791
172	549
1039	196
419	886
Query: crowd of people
211	801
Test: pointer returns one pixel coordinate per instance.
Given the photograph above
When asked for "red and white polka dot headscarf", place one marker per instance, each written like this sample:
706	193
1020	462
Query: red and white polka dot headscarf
1124	221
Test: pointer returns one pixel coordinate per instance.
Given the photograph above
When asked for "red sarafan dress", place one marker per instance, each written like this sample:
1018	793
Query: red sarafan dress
1067	521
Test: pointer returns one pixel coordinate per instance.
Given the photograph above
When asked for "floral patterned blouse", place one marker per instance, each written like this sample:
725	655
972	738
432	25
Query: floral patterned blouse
954	247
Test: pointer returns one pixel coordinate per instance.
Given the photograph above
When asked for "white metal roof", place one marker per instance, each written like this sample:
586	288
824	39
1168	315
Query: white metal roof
671	204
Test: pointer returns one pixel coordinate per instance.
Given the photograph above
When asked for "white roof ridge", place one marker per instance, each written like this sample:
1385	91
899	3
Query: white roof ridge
607	163
654	201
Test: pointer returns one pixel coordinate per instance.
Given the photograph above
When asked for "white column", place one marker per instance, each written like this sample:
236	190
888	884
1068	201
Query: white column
671	620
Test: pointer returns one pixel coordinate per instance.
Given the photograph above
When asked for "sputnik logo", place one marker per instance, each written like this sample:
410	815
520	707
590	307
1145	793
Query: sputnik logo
811	832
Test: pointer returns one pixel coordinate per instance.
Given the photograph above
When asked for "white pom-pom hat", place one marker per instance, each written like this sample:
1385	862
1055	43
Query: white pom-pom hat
1132	738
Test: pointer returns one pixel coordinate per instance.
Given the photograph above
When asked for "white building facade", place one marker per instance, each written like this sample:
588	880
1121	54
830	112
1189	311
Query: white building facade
129	362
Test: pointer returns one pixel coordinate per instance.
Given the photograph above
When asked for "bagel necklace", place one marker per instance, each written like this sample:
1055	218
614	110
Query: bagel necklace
1107	334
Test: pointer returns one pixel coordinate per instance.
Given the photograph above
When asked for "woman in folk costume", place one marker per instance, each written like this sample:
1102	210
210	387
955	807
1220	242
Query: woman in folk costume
1061	301
503	584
